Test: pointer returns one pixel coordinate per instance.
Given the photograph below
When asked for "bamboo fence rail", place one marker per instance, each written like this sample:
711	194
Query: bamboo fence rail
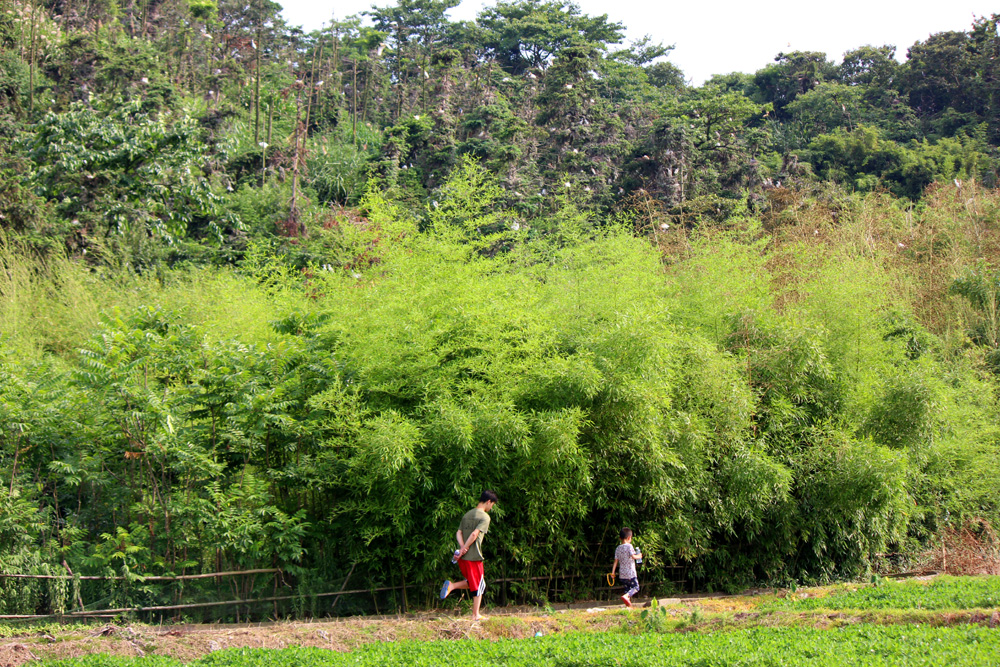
139	577
93	613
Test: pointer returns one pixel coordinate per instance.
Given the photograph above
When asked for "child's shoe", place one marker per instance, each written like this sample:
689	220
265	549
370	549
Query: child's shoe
444	589
628	603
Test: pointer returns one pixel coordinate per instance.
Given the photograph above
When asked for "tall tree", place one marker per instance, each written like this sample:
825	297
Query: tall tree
870	66
522	34
415	28
791	75
582	133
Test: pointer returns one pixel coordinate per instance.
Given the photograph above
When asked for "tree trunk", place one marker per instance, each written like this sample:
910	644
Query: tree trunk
256	84
312	82
354	107
31	63
293	213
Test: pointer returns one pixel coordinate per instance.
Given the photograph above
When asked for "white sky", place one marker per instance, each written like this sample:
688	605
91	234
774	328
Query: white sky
733	36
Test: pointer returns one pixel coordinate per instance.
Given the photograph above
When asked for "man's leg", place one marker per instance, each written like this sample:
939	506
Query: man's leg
475	581
457	586
477	601
467	570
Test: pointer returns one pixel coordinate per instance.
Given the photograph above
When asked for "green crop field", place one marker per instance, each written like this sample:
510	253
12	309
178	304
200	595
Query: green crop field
857	645
942	593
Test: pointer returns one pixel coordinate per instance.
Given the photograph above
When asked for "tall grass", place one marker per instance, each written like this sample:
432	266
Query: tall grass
51	304
226	304
48	304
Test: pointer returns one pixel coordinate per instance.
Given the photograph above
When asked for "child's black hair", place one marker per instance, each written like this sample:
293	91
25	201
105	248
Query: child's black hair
625	533
488	495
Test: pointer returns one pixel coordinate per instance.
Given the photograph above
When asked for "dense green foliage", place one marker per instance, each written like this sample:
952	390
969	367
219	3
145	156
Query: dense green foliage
854	645
151	117
281	301
246	418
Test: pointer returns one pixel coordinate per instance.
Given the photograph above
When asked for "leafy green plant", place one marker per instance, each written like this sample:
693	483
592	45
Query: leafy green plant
123	169
655	617
337	171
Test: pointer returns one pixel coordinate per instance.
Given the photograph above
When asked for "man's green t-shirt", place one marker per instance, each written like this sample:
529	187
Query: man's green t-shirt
473	519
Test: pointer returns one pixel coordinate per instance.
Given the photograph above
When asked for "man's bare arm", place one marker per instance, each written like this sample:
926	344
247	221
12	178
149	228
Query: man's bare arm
464	545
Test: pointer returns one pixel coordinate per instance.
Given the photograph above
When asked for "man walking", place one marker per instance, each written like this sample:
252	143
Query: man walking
475	524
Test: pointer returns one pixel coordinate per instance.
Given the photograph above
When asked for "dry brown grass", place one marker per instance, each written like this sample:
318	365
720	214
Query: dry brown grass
922	247
15	654
970	550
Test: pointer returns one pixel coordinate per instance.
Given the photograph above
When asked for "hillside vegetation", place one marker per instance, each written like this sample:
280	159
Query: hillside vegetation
287	302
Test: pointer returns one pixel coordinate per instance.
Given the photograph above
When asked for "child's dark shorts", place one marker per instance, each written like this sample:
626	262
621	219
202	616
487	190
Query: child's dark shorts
630	586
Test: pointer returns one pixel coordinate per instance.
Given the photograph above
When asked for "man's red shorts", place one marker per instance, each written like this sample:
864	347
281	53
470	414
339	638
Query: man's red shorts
472	570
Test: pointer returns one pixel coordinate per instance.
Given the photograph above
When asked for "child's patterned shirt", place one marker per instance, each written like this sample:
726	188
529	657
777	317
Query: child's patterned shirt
626	566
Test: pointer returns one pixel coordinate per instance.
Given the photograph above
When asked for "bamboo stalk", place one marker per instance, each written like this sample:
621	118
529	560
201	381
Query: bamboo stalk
270	120
13	473
150	578
354	111
335	72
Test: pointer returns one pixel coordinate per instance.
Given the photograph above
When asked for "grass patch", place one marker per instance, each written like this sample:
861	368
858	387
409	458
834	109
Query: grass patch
941	593
884	646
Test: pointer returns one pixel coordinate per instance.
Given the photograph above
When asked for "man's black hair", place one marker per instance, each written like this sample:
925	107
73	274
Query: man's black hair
625	533
487	496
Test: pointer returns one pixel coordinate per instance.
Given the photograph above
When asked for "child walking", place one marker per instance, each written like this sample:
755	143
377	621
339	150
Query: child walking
627	555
